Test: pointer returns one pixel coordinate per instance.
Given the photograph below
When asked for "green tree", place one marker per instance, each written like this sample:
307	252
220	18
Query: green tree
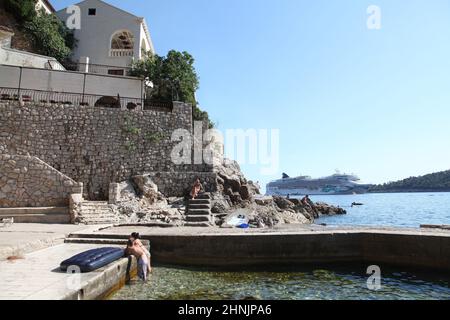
174	78
47	33
50	36
23	10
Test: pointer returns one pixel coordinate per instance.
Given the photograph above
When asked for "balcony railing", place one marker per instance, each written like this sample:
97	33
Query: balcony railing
97	68
121	52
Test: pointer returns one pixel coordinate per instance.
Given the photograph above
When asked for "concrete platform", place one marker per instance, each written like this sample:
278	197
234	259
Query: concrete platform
427	249
37	276
20	239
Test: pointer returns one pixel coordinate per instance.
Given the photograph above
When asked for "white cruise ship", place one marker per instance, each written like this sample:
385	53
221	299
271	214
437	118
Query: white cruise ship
304	185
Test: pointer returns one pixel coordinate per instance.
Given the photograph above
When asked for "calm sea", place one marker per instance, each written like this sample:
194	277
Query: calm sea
390	209
319	282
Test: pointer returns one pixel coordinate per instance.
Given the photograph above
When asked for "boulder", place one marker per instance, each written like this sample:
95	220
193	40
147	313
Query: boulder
147	188
245	192
283	203
126	191
220	207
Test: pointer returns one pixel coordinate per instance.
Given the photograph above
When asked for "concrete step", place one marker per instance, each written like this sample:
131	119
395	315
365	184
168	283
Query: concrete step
198	224
204	196
50	215
199	212
103	241
199	201
199	206
95	222
198	218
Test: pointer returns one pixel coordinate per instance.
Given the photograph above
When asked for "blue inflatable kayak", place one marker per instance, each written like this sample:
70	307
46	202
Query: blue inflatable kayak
93	259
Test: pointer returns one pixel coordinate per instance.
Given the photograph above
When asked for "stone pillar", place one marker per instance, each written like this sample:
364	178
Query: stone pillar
75	201
114	195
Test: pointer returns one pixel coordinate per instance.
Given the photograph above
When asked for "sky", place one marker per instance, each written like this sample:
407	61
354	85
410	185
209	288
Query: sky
371	102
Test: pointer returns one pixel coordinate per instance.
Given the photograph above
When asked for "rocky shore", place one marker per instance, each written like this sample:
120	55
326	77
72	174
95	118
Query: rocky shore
141	203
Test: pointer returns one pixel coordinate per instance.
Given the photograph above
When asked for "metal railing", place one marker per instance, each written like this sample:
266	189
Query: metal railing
121	52
68	98
83	100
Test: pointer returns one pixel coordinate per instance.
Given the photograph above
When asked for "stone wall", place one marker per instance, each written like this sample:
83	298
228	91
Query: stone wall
27	181
97	146
178	183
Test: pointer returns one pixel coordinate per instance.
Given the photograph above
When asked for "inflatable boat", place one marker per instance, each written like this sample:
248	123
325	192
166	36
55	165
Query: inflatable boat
93	259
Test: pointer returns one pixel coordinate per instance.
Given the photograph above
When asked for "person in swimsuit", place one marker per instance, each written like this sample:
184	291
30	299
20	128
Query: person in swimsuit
136	238
142	260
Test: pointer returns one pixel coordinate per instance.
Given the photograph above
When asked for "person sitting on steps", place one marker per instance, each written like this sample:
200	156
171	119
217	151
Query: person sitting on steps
196	189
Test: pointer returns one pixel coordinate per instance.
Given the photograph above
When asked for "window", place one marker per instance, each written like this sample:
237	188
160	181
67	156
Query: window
116	72
92	12
122	40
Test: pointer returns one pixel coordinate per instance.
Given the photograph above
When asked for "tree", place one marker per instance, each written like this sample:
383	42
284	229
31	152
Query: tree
174	78
50	36
47	33
23	10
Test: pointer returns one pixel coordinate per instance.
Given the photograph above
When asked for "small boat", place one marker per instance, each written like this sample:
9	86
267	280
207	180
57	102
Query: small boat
355	204
93	259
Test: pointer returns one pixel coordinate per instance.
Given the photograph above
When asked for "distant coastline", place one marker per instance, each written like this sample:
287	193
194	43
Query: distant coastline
434	182
411	191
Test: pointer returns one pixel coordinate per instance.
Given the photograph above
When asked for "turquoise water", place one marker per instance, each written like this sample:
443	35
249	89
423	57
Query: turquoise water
324	283
394	209
317	283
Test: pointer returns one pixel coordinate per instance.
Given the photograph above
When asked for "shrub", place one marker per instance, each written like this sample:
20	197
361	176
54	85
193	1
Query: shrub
49	36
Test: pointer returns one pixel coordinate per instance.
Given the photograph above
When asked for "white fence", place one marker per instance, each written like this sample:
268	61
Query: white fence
32	84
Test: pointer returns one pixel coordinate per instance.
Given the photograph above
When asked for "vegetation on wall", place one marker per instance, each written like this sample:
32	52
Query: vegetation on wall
174	78
439	181
47	33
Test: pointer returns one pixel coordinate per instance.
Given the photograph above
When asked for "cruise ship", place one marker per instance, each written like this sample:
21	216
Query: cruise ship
335	184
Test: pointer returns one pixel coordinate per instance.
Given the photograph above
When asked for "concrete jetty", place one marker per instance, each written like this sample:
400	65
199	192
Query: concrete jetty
427	249
36	275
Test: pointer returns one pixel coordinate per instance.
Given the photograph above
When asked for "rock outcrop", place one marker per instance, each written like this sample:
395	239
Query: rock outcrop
140	202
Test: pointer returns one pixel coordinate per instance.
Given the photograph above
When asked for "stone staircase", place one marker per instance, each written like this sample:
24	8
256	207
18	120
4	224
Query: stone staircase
50	215
96	212
199	212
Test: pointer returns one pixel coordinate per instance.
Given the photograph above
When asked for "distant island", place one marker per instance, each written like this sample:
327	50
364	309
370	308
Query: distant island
435	182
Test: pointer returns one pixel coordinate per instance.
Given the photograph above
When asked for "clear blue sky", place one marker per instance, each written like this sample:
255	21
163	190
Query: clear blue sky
372	102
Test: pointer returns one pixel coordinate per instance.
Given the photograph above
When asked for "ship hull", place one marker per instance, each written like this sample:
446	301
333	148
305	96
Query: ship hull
303	192
333	185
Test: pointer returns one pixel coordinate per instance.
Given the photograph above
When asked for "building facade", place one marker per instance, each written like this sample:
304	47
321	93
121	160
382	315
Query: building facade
108	36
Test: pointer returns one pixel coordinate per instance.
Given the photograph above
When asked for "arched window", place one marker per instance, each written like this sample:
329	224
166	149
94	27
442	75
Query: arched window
122	44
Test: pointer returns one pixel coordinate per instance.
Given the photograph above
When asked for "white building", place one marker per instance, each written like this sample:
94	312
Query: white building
108	36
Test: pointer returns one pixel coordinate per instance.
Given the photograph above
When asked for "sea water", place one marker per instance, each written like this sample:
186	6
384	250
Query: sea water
326	282
318	283
390	209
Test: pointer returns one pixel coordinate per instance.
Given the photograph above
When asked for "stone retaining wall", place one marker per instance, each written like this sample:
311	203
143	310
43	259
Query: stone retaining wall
418	249
27	181
97	146
177	183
